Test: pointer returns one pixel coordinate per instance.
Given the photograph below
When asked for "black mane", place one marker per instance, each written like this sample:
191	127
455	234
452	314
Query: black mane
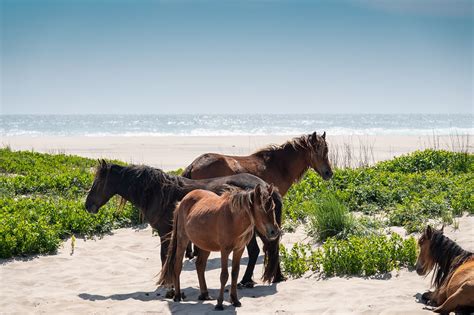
447	255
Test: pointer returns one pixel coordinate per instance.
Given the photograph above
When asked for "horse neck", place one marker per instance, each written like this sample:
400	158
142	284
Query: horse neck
246	221
291	163
125	182
449	260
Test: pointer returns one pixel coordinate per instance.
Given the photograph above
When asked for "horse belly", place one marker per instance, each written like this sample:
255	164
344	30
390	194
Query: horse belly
203	233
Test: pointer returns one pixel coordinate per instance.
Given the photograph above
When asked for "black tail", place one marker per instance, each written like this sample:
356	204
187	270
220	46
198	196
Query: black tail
167	271
272	271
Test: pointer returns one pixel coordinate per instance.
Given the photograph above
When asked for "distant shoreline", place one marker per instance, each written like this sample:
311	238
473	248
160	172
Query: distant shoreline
173	152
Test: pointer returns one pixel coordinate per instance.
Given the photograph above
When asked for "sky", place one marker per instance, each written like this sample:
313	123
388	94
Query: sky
223	56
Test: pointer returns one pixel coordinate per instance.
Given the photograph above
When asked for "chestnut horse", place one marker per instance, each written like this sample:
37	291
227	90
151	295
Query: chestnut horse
453	276
280	165
218	223
156	193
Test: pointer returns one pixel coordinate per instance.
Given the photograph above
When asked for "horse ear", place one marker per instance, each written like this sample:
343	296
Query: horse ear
257	192
270	189
429	231
103	162
442	229
324	135
313	136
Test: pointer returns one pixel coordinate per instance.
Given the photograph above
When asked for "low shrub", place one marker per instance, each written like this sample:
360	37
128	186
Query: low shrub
356	255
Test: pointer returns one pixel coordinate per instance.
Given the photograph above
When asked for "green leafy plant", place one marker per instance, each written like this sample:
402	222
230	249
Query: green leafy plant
356	255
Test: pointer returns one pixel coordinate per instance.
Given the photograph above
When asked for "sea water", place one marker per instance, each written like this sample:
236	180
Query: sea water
226	125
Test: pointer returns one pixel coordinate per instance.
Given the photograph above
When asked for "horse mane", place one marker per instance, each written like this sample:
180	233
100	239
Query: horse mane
145	184
241	201
303	142
447	256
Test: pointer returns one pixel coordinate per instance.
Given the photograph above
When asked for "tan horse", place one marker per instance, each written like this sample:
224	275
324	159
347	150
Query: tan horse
453	276
218	223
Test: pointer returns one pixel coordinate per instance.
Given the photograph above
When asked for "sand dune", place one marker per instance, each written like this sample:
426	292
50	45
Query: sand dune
115	274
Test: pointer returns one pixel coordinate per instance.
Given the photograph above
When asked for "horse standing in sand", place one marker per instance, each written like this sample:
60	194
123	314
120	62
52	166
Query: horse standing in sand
218	223
156	194
453	276
280	165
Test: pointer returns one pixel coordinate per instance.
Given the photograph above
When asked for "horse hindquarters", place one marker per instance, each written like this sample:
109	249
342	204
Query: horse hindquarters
463	297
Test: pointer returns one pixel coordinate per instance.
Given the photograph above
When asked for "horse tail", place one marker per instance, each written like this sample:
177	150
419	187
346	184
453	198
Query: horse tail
167	271
187	171
272	271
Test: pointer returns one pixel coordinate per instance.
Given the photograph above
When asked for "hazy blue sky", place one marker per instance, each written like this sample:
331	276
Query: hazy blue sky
227	56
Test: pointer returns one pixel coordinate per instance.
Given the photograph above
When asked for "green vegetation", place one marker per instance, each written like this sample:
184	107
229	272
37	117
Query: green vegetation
329	217
42	197
42	201
407	190
356	255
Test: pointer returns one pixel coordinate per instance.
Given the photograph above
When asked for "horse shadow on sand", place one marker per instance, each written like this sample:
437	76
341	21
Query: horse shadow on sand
191	304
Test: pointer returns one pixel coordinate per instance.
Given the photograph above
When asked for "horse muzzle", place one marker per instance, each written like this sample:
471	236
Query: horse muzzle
272	233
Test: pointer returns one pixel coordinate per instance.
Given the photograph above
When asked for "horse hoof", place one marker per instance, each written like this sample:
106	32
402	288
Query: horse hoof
237	304
248	285
177	299
204	297
279	278
219	307
169	294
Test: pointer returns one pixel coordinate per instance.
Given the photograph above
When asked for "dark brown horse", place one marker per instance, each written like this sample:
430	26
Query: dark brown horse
280	165
453	276
218	223
156	194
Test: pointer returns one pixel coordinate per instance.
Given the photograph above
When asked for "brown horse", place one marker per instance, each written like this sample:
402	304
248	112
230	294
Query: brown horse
453	276
218	223
156	194
278	165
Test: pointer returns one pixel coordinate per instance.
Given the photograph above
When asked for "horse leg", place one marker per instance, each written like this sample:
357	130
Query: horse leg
253	251
181	248
235	274
462	297
201	262
189	251
224	277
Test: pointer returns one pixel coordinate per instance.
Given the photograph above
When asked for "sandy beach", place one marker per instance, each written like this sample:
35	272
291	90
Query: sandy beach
116	274
173	152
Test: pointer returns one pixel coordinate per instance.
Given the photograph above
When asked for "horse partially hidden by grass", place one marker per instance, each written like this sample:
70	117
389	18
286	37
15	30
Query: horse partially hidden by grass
218	223
156	194
453	276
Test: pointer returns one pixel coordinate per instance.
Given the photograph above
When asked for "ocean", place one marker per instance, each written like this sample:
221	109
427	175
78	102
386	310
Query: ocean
226	125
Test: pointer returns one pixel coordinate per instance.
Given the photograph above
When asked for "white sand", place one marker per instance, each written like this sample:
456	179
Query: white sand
116	275
170	153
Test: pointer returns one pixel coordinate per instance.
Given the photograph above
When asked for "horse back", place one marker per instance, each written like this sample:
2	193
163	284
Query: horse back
211	165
